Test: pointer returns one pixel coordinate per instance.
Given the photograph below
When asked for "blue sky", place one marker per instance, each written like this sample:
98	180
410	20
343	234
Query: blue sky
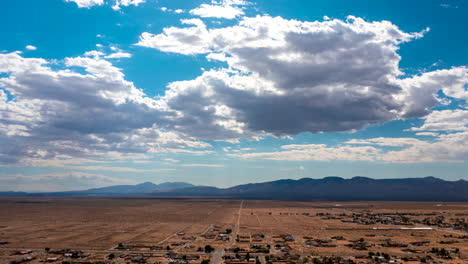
103	92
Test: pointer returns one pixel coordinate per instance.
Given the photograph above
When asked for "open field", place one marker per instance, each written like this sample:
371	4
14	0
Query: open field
164	230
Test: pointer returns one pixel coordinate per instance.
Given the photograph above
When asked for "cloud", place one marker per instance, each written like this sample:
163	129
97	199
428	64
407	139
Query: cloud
430	134
228	9
283	77
119	3
86	3
191	40
445	120
95	114
31	47
444	148
94	53
389	142
448	6
419	91
317	152
203	165
177	11
54	182
116	169
118	55
116	3
294	77
172	160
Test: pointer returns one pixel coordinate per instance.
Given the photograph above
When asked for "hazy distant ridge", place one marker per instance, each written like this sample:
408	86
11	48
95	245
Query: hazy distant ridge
336	188
143	188
306	189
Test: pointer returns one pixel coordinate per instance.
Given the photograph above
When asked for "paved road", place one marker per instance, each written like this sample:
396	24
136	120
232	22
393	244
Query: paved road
106	251
218	254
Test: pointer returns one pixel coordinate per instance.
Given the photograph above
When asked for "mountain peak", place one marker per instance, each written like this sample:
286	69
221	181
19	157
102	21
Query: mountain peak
333	178
146	184
432	178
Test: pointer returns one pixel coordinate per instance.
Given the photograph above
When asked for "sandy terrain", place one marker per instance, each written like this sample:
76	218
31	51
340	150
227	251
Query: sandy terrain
97	225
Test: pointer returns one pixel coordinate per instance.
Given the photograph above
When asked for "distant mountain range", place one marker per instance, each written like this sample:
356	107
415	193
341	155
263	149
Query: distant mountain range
145	188
142	188
307	189
339	189
139	189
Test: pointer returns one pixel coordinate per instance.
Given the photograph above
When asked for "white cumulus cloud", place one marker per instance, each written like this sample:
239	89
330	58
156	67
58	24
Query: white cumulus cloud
118	55
95	114
31	47
86	3
119	3
228	9
285	77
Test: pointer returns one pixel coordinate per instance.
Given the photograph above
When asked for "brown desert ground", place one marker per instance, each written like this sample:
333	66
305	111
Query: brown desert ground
130	227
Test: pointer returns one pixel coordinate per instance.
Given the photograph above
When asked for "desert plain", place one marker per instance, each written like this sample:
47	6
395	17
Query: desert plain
181	230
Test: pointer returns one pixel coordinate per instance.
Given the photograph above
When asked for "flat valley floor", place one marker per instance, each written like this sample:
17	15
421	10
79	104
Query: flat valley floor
96	226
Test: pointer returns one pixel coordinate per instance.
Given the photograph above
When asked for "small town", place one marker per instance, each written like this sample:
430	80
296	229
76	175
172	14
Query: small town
374	237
